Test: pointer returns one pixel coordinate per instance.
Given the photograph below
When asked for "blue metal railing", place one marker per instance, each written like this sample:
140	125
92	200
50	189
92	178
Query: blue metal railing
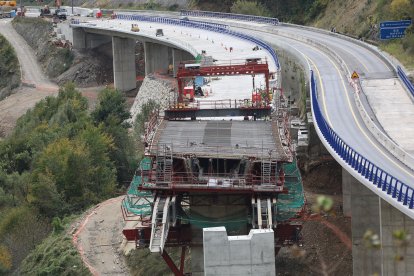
377	176
244	17
202	25
405	80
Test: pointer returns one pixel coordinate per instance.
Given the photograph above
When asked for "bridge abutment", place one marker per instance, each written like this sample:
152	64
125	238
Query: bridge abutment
124	63
370	212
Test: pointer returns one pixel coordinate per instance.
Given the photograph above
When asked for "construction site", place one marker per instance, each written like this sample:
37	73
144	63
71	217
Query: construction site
217	163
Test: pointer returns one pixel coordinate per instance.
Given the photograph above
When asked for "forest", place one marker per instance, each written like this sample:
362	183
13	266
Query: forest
59	160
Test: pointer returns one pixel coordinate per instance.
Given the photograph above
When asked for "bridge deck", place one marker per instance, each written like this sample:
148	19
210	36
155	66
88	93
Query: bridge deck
227	139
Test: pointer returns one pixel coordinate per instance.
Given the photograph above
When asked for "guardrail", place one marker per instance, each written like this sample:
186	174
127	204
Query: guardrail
405	80
244	17
371	172
168	20
201	25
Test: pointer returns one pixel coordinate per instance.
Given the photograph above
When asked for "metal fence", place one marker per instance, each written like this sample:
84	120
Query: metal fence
244	17
405	80
374	174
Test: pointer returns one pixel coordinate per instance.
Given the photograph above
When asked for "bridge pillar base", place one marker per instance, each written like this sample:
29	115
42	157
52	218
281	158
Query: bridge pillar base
370	212
124	63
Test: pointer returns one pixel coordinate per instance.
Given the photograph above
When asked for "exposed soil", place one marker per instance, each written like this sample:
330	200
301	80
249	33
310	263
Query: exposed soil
98	237
322	251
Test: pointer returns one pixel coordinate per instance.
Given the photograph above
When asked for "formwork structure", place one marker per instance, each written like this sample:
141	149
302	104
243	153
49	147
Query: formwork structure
234	173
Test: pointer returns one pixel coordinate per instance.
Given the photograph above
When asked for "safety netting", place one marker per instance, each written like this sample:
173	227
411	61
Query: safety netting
232	222
289	205
136	201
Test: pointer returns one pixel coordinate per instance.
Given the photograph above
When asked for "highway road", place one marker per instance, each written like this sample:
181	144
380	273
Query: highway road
336	95
335	92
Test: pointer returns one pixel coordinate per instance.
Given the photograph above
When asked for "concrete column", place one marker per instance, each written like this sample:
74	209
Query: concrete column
178	56
124	63
157	57
369	211
253	254
365	210
213	207
79	38
347	181
392	220
96	40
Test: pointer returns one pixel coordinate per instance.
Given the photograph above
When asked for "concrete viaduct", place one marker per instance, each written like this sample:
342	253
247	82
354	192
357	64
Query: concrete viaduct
159	54
377	179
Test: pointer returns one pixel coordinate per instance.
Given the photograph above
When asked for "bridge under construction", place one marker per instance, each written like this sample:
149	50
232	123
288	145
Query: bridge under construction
234	168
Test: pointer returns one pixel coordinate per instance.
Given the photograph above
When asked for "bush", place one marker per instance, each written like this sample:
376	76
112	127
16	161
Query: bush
249	7
56	255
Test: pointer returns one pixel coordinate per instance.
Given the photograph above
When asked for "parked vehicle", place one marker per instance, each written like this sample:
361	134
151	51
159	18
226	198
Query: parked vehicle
159	32
61	14
134	28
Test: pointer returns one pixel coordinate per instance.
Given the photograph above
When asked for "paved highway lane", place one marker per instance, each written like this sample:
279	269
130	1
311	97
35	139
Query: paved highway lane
336	99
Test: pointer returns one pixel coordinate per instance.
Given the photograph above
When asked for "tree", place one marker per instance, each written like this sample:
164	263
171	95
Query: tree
111	114
402	9
111	106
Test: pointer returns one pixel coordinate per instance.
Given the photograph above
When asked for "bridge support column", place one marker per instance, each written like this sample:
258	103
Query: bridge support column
370	212
178	56
84	40
79	38
365	212
124	63
157	57
347	182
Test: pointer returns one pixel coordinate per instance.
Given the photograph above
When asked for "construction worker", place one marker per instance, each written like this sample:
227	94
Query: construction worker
170	69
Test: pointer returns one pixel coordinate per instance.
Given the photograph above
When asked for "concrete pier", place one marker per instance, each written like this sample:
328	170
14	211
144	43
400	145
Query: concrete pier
84	40
179	56
157	57
124	63
79	38
252	254
370	212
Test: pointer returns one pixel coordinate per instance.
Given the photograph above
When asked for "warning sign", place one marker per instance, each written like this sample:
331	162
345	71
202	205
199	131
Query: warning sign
355	75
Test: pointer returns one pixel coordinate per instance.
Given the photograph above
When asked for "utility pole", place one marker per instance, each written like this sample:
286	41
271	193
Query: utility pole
72	7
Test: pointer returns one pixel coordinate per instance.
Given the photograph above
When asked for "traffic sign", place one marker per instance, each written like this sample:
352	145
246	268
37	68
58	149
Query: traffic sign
393	29
354	75
395	24
392	33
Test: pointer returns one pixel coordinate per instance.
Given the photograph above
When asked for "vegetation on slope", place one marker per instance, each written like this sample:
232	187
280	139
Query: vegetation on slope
59	160
9	68
361	19
56	255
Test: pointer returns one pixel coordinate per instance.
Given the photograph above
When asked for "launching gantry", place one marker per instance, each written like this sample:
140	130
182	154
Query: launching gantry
214	172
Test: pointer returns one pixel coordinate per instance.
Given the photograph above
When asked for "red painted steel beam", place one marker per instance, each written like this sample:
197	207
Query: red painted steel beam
182	259
171	264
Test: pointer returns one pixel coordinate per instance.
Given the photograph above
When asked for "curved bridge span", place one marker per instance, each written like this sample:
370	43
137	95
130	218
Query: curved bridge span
363	122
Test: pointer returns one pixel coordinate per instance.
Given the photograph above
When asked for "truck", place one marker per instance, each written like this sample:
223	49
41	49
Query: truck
5	11
61	14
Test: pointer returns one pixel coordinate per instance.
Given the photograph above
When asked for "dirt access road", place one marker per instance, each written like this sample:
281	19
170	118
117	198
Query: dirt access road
98	238
35	85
